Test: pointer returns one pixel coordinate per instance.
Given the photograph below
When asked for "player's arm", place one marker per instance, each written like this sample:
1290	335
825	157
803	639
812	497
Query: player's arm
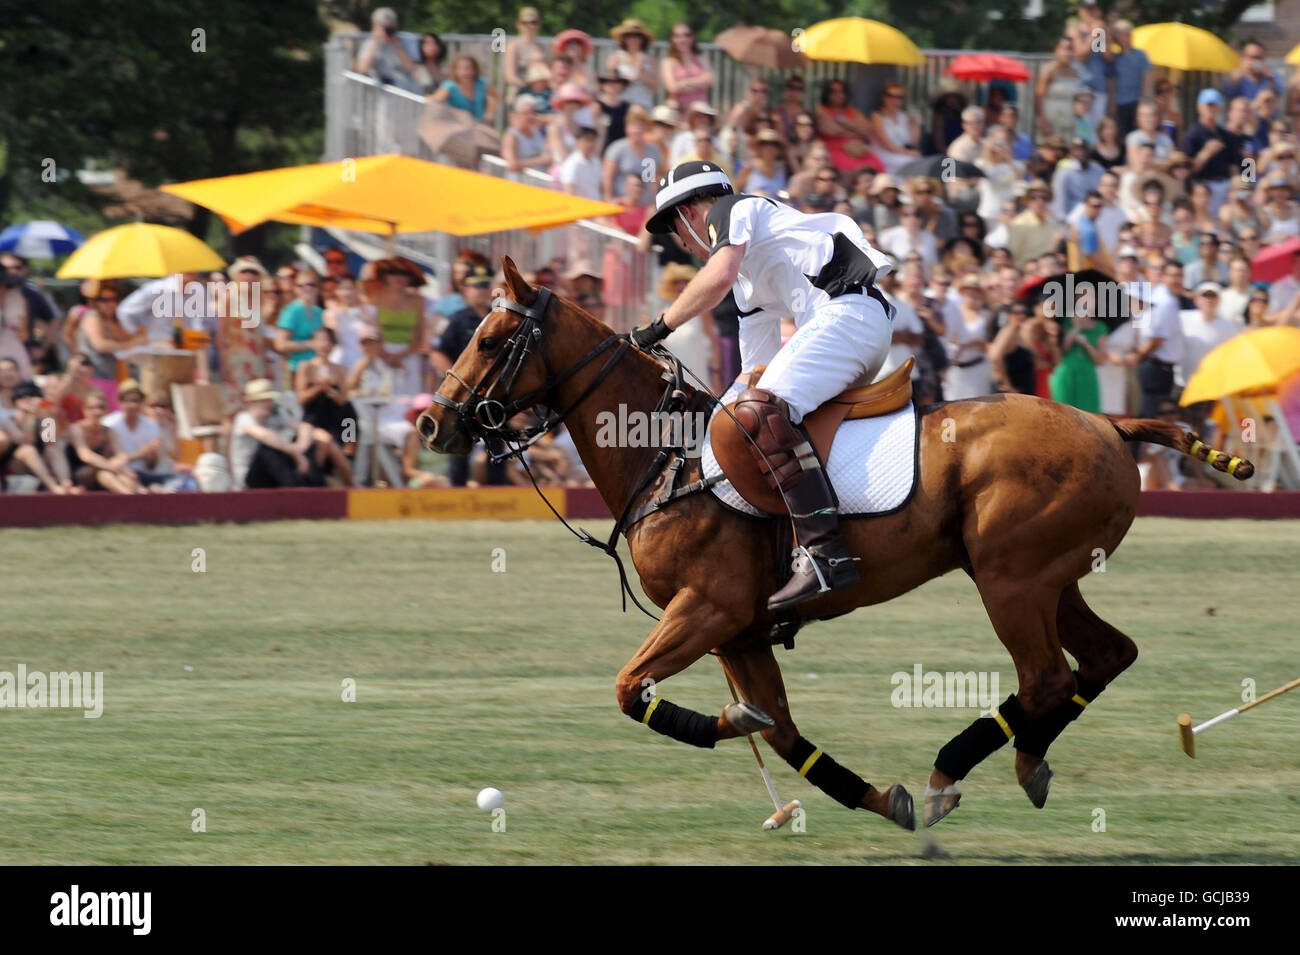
708	288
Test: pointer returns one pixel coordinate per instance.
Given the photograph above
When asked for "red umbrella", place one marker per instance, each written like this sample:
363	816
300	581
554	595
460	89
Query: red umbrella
1274	261
982	67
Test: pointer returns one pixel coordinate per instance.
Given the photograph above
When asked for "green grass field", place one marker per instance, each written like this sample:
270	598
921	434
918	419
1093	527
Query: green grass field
223	691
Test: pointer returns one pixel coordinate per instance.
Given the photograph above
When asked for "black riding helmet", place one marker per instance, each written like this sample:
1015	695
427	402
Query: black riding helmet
686	181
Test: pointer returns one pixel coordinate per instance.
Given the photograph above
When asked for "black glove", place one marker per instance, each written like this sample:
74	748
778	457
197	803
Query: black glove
646	337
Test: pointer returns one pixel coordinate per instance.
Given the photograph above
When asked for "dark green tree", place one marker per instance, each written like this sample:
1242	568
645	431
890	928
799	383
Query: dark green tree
167	89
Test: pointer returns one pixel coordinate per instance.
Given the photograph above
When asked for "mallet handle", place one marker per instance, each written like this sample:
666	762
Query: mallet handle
1268	696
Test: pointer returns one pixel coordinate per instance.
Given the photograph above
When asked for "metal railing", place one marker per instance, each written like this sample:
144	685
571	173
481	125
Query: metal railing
367	118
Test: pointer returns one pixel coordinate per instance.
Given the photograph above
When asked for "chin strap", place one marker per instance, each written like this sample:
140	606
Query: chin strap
694	235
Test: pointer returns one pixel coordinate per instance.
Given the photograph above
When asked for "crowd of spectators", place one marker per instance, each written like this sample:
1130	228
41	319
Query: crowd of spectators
303	378
1108	176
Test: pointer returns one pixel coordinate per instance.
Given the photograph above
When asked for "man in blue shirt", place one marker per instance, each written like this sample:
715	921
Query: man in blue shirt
1213	151
1130	69
1095	65
1022	147
1253	76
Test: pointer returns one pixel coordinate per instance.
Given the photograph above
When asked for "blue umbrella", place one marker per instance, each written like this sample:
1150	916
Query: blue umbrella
40	239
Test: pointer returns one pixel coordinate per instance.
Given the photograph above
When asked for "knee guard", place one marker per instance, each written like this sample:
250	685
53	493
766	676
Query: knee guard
783	450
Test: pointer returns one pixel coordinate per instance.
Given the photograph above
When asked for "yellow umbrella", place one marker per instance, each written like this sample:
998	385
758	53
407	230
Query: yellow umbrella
1294	56
386	194
139	249
1184	47
857	40
1261	358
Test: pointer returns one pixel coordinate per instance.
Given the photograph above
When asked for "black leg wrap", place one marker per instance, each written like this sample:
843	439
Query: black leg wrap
1042	732
845	787
982	738
677	722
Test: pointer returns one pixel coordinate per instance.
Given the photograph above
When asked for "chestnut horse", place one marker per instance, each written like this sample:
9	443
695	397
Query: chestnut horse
1022	493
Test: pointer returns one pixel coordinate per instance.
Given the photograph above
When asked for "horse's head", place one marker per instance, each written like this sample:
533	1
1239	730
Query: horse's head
503	370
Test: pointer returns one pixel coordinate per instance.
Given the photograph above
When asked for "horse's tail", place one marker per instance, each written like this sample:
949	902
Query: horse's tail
1188	442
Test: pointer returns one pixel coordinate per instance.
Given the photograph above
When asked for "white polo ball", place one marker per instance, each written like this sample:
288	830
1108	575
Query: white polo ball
490	799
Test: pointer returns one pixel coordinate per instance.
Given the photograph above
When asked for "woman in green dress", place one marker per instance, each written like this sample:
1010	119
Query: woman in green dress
1074	380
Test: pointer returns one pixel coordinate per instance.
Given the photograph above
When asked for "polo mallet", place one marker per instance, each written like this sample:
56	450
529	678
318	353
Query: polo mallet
784	813
1188	733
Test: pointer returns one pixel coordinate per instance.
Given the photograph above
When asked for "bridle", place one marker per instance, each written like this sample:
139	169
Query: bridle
487	410
484	416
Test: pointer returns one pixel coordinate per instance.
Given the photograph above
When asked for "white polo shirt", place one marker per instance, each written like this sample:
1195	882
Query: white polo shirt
785	250
131	441
1162	320
1199	339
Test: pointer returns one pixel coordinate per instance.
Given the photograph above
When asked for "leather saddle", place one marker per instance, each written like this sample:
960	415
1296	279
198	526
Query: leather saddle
731	445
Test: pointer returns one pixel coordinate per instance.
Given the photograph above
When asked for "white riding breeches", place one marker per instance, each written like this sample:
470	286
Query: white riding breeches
845	342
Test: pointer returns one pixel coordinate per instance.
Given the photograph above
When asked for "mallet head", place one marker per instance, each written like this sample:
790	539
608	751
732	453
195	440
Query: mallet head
1186	735
782	816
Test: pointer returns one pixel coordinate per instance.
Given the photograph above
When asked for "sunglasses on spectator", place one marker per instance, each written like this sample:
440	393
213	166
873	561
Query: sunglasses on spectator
107	298
893	96
530	23
308	285
924	192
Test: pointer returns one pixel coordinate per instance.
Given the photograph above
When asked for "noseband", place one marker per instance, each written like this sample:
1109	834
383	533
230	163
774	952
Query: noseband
487	411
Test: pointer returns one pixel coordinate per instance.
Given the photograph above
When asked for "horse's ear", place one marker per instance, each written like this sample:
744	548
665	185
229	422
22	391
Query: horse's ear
520	291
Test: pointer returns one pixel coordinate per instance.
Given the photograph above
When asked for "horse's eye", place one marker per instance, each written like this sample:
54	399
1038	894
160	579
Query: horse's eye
487	344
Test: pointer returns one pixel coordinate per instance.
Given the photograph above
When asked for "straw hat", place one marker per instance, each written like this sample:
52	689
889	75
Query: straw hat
769	136
248	263
665	114
259	389
537	73
628	27
128	385
674	272
882	182
580	268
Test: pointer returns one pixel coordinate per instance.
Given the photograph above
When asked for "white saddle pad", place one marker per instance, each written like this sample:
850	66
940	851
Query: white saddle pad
872	465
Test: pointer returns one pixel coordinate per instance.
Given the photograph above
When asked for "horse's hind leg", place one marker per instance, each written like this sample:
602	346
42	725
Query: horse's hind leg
1024	618
1103	654
757	676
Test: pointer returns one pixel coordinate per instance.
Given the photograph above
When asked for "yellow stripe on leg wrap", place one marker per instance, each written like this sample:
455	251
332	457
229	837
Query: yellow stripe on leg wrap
1006	727
1196	448
808	763
1232	466
1080	700
650	709
1213	456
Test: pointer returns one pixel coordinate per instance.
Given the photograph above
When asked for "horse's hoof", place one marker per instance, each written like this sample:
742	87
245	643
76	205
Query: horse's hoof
1038	785
940	802
747	718
901	809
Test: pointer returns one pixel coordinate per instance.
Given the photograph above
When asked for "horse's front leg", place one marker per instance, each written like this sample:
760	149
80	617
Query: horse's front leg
692	625
756	673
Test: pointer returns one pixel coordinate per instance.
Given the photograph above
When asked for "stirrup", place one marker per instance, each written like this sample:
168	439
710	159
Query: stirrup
801	552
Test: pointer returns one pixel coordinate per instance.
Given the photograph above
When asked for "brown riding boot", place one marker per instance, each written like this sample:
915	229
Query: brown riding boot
821	562
787	459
